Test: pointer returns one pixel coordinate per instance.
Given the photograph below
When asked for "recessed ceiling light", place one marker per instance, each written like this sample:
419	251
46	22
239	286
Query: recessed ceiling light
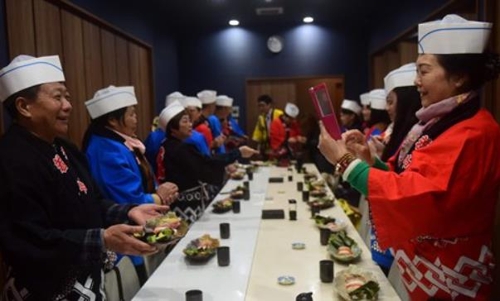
234	22
308	19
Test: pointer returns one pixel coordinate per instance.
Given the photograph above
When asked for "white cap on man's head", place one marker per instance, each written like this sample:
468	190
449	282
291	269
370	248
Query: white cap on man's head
110	99
170	98
292	110
404	76
378	99
168	113
207	96
189	101
365	98
453	34
351	105
223	101
26	71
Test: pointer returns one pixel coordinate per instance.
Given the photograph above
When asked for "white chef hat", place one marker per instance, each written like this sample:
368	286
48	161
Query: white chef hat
27	71
292	110
378	99
110	99
207	96
404	76
189	101
365	98
224	101
453	34
351	105
170	98
168	113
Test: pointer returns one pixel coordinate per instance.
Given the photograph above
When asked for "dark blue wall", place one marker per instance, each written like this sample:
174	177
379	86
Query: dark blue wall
223	59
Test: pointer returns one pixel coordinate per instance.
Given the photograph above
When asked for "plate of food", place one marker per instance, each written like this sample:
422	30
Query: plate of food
238	192
238	175
355	283
317	192
223	206
201	249
163	230
331	223
317	184
310	176
322	203
343	248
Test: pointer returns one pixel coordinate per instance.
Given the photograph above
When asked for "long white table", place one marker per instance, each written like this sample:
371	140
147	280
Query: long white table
260	251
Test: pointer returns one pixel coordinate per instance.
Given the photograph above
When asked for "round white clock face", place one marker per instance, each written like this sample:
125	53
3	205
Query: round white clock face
275	44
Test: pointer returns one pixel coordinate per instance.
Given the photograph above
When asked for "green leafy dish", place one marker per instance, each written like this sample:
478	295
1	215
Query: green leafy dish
322	203
164	230
316	184
343	248
223	206
327	222
238	192
239	175
355	284
310	176
317	192
201	249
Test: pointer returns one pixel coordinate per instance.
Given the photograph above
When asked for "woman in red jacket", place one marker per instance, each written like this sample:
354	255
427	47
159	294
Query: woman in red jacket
434	202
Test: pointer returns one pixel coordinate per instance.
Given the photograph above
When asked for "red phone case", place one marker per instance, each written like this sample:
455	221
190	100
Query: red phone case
324	109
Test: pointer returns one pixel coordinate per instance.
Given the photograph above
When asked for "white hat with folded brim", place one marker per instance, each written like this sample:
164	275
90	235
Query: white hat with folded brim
27	71
365	98
168	113
110	99
378	99
170	98
207	96
223	101
404	76
351	105
292	110
191	102
452	35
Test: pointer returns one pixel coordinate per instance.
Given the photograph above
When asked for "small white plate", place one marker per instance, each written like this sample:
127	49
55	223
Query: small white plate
286	280
298	246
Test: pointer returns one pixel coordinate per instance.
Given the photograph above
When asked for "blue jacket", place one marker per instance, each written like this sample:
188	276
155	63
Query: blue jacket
152	144
116	171
216	128
235	127
198	140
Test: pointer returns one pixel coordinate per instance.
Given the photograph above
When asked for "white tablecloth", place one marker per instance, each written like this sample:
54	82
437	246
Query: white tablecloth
260	251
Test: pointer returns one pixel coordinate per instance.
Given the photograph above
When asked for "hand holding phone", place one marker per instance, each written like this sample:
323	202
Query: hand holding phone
324	109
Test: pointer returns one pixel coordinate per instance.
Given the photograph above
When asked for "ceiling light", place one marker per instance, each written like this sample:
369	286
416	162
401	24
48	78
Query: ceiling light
268	1
308	19
234	22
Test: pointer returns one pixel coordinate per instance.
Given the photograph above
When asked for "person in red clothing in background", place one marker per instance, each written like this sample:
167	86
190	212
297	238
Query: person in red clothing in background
434	202
285	136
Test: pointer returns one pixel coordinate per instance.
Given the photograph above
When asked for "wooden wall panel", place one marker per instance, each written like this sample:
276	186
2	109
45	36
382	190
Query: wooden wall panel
408	52
20	27
146	97
108	50
47	28
93	58
74	70
378	69
140	78
123	72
